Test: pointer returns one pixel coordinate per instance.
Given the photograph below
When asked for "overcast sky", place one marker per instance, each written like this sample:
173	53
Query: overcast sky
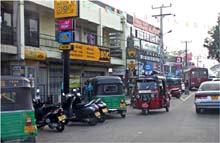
191	22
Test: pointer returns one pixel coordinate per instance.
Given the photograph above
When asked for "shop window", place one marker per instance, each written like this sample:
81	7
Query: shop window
31	29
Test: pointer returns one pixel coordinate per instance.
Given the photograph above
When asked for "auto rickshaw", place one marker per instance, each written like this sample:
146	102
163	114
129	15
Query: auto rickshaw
151	93
17	114
174	86
110	90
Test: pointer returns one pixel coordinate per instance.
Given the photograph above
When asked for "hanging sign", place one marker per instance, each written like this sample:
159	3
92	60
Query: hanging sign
66	8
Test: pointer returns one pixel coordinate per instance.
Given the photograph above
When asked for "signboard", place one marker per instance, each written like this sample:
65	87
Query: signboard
34	54
65	24
148	67
178	60
131	64
65	37
65	47
74	81
90	53
66	8
131	52
18	70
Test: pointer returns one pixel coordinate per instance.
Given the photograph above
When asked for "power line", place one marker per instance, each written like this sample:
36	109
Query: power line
161	15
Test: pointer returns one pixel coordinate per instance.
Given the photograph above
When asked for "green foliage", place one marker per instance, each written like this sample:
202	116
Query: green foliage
212	43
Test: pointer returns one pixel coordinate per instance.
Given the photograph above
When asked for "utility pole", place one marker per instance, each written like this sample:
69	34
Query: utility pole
161	15
186	42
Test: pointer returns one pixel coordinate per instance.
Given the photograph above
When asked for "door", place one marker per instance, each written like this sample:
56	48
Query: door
43	84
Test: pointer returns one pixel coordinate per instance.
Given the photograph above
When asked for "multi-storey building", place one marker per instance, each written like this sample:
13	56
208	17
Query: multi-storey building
29	45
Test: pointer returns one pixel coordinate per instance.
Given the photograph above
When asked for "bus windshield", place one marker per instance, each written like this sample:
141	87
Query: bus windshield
199	73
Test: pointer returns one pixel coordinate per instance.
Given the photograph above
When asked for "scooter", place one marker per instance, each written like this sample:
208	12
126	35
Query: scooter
51	115
80	112
102	109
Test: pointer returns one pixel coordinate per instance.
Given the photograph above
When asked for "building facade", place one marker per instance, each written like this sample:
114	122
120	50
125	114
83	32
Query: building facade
29	44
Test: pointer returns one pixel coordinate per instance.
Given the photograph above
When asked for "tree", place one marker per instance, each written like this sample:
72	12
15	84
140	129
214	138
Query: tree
212	43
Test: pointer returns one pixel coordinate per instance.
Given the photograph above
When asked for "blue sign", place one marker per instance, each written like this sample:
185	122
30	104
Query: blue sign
148	67
65	37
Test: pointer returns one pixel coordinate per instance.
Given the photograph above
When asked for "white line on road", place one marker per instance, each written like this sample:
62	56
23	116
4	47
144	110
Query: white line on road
184	99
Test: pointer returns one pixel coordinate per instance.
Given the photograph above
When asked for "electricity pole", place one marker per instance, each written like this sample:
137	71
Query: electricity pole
186	42
161	15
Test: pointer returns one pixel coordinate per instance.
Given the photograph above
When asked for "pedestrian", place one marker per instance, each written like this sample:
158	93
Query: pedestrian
183	87
186	87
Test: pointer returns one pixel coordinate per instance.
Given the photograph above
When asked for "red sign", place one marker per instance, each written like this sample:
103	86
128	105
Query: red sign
178	59
65	24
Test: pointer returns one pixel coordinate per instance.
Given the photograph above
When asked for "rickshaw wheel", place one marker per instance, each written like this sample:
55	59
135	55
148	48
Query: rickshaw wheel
198	110
145	111
30	139
167	109
60	127
123	114
178	96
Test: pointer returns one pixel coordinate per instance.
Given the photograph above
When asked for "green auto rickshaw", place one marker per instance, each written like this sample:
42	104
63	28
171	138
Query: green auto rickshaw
18	121
110	90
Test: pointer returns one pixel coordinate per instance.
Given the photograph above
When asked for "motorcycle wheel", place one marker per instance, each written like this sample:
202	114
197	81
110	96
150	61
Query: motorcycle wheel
60	127
93	121
145	111
102	118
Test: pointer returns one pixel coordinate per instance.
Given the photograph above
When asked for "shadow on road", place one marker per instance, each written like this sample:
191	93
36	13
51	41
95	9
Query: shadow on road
210	112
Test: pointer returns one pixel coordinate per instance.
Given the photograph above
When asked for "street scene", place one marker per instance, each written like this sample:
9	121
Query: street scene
110	71
181	124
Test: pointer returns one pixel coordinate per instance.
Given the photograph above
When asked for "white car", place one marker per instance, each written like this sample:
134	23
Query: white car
207	96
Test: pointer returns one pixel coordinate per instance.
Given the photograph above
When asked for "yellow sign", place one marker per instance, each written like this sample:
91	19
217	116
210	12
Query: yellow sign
34	54
131	52
65	8
90	53
131	64
65	47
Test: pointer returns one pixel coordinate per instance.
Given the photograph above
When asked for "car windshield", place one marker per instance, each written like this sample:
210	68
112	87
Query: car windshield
146	85
210	86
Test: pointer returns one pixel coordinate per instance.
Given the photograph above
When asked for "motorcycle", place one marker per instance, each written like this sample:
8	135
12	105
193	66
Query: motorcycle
51	115
102	109
76	111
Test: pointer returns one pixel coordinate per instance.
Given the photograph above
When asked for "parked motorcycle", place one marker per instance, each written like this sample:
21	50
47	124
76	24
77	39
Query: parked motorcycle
51	115
76	111
102	109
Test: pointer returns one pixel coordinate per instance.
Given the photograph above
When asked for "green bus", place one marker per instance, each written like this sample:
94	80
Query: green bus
17	114
110	90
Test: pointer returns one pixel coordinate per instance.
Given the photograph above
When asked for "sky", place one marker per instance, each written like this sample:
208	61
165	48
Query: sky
192	20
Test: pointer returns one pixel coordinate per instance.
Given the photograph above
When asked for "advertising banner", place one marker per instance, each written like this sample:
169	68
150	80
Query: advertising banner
66	8
65	37
90	53
65	24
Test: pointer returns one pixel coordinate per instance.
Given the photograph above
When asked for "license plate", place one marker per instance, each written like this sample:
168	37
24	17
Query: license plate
144	105
61	118
214	97
122	105
104	110
97	114
29	129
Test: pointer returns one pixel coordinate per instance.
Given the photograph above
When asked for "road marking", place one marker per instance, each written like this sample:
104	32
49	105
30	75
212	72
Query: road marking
184	99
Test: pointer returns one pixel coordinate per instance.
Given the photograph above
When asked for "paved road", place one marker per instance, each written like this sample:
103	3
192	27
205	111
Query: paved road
181	124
